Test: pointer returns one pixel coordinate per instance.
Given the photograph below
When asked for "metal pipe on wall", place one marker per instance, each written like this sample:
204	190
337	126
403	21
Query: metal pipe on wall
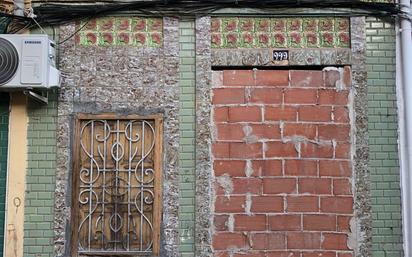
404	85
403	164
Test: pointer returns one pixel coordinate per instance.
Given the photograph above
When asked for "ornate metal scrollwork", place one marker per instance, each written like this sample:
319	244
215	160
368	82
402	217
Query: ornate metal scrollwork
116	186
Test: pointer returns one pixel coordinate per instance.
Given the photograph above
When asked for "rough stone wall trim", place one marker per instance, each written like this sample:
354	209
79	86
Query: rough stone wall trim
362	203
204	198
171	207
154	80
69	66
297	57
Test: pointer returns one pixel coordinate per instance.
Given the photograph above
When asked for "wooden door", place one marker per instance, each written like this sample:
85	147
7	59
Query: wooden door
117	185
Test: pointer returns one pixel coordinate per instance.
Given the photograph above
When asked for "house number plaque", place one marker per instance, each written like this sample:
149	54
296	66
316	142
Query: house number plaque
282	55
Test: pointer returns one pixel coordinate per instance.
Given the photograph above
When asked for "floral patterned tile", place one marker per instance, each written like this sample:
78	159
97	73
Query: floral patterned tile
311	39
327	39
343	39
278	25
279	40
310	25
230	40
123	38
326	24
230	25
88	38
262	25
106	38
216	25
155	39
247	40
139	24
263	39
294	24
295	39
216	40
139	39
247	25
342	24
106	24
299	32
155	25
123	24
91	25
133	31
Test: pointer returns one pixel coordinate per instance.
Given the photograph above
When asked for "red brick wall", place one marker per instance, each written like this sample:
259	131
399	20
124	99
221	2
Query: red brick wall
281	160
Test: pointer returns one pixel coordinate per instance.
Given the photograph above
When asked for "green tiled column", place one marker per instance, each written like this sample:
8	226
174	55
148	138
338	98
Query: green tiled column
4	135
383	165
187	137
40	179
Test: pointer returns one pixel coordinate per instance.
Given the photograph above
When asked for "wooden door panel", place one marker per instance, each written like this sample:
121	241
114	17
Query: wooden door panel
117	185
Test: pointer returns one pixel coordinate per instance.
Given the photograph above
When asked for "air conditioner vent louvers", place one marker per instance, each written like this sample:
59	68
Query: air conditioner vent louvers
9	61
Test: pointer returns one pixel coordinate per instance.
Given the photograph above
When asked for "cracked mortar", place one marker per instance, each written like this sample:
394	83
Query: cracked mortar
249	169
226	183
249	137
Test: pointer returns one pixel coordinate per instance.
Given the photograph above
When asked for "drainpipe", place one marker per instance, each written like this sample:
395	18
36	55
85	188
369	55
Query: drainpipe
403	163
404	58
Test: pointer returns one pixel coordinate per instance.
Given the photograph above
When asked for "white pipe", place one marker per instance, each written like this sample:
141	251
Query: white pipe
403	163
405	127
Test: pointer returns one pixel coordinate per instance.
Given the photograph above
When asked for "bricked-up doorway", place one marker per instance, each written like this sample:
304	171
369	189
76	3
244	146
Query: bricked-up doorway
282	163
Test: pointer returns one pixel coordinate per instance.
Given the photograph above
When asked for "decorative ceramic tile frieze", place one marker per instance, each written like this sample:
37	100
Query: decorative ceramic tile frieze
130	31
280	32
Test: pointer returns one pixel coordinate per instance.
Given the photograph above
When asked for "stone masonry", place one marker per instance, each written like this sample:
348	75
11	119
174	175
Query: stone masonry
122	80
282	163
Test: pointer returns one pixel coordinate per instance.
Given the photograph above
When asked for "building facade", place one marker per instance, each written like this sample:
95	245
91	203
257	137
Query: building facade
236	133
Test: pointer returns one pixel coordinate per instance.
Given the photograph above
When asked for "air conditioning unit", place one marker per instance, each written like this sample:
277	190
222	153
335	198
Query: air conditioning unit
27	61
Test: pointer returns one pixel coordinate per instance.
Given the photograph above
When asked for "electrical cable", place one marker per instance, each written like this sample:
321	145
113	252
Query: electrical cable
4	24
54	14
73	34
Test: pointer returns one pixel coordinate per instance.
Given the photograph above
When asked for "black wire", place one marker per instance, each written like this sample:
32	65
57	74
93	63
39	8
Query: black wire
4	23
65	13
59	14
72	35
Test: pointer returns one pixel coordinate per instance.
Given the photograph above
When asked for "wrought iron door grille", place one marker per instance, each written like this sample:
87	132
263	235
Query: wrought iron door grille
117	182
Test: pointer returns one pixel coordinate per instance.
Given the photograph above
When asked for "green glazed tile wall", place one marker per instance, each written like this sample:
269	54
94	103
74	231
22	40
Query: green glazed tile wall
4	135
187	137
383	155
40	179
280	32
